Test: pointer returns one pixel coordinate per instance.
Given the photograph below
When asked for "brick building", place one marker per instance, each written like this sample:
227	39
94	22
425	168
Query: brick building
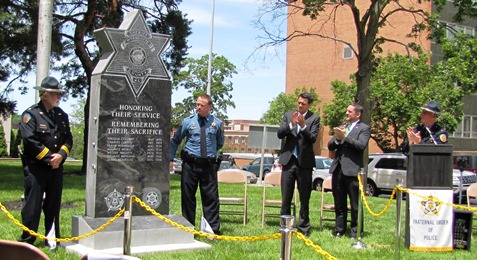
236	137
315	61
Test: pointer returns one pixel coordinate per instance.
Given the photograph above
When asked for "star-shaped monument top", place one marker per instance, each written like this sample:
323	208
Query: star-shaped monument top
133	52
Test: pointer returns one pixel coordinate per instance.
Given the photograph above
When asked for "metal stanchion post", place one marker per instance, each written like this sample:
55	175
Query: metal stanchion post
358	244
287	223
127	221
397	249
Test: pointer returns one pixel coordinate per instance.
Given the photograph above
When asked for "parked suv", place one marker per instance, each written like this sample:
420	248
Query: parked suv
384	169
254	166
321	171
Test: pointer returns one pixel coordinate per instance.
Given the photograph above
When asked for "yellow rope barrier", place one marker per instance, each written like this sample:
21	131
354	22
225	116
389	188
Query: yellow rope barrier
204	234
300	236
33	233
317	248
434	199
388	204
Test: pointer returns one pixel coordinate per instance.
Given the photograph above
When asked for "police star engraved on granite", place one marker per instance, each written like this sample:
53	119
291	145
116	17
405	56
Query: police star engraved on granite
152	196
135	53
114	200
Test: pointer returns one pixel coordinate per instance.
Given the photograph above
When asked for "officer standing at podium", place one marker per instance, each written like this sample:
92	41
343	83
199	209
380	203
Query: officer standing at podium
429	131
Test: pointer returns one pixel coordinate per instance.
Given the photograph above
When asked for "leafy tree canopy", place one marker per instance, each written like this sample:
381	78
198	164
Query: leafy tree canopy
399	87
286	102
193	79
74	51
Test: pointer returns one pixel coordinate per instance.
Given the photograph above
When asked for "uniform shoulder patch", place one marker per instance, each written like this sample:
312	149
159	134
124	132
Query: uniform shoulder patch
443	138
26	118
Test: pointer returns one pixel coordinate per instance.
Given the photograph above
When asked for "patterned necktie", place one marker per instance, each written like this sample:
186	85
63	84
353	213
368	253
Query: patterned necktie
348	128
203	145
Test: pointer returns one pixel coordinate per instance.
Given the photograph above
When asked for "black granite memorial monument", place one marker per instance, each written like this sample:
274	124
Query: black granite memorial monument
129	139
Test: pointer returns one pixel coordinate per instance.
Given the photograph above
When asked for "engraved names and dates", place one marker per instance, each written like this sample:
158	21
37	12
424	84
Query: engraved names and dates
134	133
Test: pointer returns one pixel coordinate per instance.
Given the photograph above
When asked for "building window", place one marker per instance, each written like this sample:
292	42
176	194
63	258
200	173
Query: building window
230	139
236	140
467	128
242	150
243	140
249	150
347	53
453	29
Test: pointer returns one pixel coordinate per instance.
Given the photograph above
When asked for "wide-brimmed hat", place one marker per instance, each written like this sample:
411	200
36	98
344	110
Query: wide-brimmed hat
432	106
50	84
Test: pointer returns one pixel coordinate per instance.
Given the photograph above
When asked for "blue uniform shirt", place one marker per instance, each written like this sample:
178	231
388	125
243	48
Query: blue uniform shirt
190	129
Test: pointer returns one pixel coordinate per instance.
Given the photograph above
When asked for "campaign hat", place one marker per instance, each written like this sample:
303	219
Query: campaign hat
50	84
432	106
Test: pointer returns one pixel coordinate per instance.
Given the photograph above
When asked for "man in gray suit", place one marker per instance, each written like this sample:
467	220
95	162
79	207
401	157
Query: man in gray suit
349	142
299	130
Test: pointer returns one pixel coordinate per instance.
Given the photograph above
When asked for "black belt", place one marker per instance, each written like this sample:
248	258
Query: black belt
198	160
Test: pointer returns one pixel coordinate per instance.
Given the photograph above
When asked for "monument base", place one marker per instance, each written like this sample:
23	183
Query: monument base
149	234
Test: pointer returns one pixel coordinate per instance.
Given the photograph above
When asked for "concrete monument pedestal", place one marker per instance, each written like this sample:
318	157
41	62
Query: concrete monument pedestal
149	234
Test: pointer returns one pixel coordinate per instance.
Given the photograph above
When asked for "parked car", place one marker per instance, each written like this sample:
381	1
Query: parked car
321	171
254	166
226	166
384	169
176	166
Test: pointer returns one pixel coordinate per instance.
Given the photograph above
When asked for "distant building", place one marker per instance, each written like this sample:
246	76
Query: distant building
236	137
315	62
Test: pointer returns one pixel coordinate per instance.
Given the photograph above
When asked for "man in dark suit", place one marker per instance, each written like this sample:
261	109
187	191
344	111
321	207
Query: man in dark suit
349	142
299	130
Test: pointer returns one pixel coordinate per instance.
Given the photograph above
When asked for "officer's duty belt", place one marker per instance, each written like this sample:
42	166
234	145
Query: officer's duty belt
202	161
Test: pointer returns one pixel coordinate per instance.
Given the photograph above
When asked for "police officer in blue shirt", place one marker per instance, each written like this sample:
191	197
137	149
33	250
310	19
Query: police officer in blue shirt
429	131
204	137
47	141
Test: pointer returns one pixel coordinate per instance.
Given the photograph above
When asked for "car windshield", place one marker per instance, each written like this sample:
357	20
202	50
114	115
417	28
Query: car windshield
323	163
226	165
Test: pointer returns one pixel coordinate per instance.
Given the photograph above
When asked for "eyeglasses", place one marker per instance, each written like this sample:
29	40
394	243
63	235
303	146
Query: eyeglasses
302	103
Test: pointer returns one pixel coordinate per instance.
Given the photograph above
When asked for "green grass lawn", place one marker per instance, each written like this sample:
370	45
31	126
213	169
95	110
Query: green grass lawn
380	231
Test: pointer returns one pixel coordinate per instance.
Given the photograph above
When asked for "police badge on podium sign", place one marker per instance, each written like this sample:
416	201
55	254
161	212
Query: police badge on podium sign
430	220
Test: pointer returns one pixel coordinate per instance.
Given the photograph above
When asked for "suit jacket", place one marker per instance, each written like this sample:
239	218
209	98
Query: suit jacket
349	151
303	140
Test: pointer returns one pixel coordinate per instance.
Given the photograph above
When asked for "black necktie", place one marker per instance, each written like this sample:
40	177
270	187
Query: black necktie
52	114
203	145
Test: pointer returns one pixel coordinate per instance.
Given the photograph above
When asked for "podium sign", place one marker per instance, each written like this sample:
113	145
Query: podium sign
429	169
430	221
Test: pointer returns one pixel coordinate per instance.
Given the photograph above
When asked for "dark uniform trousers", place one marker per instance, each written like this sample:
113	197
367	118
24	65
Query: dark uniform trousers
303	176
204	176
343	185
38	180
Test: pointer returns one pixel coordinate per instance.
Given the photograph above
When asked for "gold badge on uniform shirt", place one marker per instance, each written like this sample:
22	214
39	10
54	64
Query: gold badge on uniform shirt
42	126
443	138
26	118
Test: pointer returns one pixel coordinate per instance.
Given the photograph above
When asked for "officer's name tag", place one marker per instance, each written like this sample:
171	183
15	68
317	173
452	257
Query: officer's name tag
42	126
